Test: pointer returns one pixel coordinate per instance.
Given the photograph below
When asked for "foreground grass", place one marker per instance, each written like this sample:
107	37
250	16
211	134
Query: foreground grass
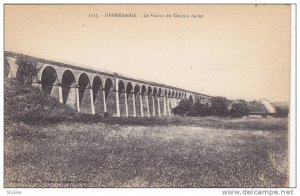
175	152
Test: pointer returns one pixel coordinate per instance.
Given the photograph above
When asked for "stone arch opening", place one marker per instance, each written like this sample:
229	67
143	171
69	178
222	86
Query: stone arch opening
150	100
68	80
160	101
83	84
155	102
128	88
97	87
136	92
130	99
143	90
48	79
154	91
110	97
122	97
136	89
159	92
143	93
107	87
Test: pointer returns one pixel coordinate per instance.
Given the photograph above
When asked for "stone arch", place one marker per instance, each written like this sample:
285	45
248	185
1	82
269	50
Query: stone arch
159	92
169	93
110	103
149	90
143	90
169	102
129	88
138	102
83	84
155	101
136	88
108	85
130	99
151	100
84	87
69	89
48	79
160	101
144	95
97	87
176	100
122	98
155	91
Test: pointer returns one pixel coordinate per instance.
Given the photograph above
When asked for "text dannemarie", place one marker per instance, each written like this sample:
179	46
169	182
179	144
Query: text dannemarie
129	15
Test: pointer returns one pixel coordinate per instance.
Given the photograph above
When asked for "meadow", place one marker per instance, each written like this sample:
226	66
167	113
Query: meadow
149	152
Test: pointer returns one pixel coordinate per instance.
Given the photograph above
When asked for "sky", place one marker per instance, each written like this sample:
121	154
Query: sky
236	51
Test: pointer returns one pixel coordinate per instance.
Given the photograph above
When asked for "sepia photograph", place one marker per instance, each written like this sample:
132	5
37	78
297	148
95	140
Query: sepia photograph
147	95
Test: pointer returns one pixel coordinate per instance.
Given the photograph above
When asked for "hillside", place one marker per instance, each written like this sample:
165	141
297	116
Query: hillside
25	102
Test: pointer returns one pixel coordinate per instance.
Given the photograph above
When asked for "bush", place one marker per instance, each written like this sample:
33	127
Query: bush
187	108
239	109
281	111
219	106
28	69
184	108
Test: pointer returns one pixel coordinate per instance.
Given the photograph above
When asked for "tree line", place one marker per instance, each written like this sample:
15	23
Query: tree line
222	107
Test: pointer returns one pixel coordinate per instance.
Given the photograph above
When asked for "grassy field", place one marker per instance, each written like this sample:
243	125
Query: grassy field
46	144
170	152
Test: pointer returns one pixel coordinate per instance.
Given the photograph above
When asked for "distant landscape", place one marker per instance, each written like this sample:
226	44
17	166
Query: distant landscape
49	145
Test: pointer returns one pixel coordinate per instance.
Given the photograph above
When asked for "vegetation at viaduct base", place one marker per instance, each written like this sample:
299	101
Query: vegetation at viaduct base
222	107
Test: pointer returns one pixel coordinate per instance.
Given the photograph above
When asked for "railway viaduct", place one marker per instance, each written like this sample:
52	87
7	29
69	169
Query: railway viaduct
92	91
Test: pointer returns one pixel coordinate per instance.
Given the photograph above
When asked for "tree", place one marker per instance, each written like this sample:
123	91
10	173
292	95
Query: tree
199	109
281	111
28	68
184	108
239	108
219	106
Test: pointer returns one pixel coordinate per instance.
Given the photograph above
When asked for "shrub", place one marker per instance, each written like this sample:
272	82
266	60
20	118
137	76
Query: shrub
219	106
28	69
184	108
239	109
105	114
187	108
282	111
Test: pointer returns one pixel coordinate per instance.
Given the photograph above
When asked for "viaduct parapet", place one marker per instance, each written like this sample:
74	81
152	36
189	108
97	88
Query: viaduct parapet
92	91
